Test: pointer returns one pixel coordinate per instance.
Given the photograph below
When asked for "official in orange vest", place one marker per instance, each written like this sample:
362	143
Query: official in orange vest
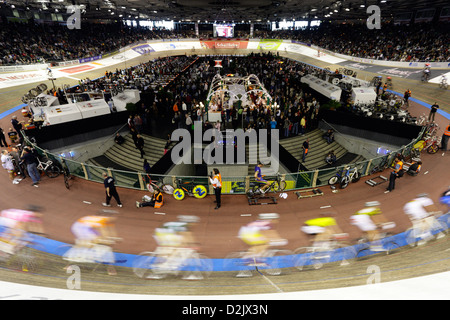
305	147
156	202
216	181
445	138
397	172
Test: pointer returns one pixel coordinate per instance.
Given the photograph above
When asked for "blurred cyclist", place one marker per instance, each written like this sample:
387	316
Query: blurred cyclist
177	234
14	224
323	230
445	198
175	240
261	234
421	211
370	221
90	232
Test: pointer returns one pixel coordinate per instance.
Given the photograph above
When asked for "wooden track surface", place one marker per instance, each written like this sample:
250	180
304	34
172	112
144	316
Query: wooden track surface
217	229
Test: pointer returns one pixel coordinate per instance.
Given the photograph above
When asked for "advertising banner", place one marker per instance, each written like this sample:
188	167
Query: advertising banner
143	49
90	59
269	44
224	44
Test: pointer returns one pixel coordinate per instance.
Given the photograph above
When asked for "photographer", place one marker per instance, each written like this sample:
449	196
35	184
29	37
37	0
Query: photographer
30	161
216	181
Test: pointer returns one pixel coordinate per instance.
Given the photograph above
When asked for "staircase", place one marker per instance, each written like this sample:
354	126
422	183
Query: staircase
126	157
318	150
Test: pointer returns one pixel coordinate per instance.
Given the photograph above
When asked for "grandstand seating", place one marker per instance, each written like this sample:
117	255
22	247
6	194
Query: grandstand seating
126	157
318	150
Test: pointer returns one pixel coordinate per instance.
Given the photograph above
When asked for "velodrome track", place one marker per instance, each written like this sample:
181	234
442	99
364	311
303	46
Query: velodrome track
217	229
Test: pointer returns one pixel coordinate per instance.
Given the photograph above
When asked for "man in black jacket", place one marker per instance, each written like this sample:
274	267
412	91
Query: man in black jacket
111	191
140	145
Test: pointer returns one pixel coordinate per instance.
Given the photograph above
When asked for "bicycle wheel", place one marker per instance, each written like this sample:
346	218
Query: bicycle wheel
277	262
415	153
412	236
237	265
439	228
27	259
433	148
198	267
343	255
151	187
168	189
390	246
310	260
53	171
375	169
333	180
256	190
362	250
178	194
356	177
67	178
279	186
145	266
344	182
199	191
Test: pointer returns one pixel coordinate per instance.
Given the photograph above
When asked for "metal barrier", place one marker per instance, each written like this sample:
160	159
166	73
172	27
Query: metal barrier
230	184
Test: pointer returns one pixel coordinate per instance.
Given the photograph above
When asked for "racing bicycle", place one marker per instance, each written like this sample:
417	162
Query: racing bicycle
272	262
345	176
23	254
384	164
159	184
189	188
427	229
387	243
165	261
277	185
443	84
47	166
94	258
66	172
429	143
336	250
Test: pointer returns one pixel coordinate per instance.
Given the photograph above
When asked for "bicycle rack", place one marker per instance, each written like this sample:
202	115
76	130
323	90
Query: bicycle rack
376	181
308	193
256	200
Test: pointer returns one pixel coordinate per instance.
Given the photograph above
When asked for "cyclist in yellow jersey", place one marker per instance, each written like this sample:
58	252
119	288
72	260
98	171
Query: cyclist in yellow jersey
324	229
371	220
261	234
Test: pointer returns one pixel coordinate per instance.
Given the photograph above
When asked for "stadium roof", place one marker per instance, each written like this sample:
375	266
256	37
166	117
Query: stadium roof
237	11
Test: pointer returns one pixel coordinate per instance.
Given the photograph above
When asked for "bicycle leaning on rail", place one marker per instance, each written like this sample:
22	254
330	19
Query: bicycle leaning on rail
276	185
47	166
159	185
345	176
189	188
67	175
429	143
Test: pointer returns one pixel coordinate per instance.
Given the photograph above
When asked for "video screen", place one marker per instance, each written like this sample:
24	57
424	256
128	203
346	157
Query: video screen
223	31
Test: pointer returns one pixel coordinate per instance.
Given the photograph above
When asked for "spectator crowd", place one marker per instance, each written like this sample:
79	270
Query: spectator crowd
29	43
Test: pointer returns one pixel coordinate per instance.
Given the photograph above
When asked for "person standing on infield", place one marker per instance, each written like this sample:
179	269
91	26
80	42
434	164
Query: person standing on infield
305	148
111	191
216	181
